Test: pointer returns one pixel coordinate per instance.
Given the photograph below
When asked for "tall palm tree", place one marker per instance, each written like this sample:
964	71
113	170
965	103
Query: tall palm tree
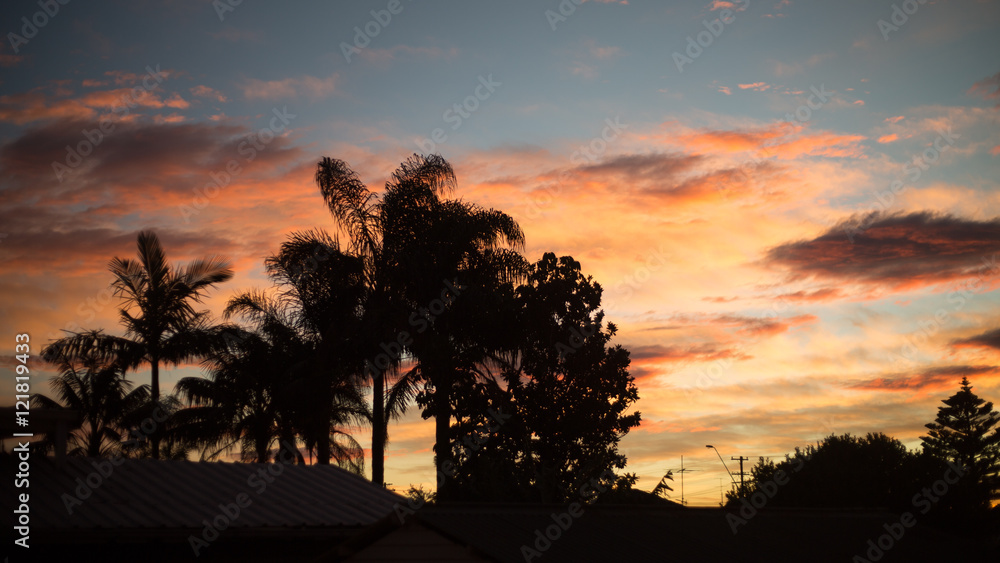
412	240
476	250
161	324
360	214
104	399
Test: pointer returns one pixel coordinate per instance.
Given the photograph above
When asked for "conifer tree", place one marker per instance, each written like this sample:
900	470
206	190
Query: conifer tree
965	433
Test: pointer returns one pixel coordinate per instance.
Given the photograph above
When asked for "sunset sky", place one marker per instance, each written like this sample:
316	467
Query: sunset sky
718	191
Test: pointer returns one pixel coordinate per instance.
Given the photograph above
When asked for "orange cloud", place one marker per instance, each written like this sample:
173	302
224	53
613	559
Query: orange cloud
33	106
735	140
936	379
888	138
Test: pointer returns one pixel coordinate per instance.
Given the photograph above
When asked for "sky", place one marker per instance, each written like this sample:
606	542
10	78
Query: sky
793	207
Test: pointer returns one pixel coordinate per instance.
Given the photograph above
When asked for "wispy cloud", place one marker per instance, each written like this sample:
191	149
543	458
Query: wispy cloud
290	88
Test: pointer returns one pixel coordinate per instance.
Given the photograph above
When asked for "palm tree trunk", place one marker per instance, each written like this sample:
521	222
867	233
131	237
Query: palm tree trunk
442	433
378	427
155	395
94	445
323	451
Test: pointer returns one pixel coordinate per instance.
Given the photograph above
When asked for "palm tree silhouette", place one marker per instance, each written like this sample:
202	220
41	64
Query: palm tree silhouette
102	396
412	241
160	322
287	374
363	216
476	251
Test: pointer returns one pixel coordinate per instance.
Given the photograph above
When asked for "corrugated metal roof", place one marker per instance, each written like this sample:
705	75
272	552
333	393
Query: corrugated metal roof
150	495
642	533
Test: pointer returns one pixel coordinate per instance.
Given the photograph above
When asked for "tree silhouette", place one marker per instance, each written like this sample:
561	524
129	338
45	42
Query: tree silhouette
240	403
457	259
161	325
554	421
875	471
965	433
291	373
411	242
577	388
359	213
105	400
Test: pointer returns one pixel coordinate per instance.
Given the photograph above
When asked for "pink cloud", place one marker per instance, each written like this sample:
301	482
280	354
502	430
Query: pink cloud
309	86
398	52
202	91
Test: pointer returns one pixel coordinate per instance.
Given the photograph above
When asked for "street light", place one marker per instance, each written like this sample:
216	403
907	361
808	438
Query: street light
723	463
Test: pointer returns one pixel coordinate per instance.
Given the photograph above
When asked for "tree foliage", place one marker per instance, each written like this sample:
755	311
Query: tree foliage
552	416
845	471
965	432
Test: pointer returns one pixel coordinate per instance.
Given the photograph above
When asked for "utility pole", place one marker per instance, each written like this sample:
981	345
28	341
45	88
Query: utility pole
741	459
720	493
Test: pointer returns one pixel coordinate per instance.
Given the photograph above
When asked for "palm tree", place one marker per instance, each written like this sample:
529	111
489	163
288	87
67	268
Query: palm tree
475	250
104	399
322	289
360	214
157	312
238	404
412	241
285	375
